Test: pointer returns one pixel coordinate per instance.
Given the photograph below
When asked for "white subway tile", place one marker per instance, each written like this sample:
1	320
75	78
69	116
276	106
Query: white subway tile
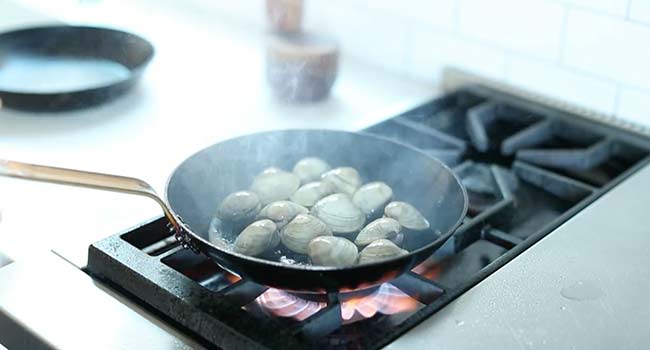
634	105
431	52
563	84
608	47
533	27
640	11
371	36
321	16
439	13
251	11
612	7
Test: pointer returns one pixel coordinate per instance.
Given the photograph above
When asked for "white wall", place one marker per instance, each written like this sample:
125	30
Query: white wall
595	53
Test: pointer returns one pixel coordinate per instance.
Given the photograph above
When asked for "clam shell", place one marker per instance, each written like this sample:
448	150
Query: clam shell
281	212
339	213
239	206
344	179
297	234
307	195
372	197
378	250
310	169
256	238
383	228
271	170
274	185
407	215
332	251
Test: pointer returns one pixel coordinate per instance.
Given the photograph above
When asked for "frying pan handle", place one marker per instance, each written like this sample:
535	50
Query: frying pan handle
80	178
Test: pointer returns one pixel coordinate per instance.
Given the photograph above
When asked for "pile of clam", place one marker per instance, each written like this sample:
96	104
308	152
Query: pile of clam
323	213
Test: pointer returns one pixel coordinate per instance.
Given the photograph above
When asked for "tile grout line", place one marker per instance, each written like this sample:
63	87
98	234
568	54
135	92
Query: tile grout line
625	86
621	18
602	78
640	23
628	9
456	16
562	65
501	47
511	53
590	10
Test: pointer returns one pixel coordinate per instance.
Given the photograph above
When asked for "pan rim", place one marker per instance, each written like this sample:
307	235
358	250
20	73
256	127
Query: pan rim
443	237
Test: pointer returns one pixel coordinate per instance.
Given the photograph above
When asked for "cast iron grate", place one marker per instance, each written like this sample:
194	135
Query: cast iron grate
527	169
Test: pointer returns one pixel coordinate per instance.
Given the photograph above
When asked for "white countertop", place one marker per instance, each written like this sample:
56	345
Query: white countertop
205	84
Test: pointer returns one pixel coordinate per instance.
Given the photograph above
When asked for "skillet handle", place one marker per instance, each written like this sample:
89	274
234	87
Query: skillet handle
87	179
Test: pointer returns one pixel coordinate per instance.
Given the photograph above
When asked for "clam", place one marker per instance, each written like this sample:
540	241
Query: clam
310	169
271	170
281	212
380	249
339	213
345	179
407	215
239	207
332	251
257	237
383	228
372	197
297	234
274	185
307	195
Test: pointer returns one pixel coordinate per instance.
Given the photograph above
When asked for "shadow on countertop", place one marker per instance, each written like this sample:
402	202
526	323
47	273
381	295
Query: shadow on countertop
4	260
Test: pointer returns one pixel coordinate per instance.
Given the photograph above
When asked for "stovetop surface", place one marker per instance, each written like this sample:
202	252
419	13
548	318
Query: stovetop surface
584	286
527	169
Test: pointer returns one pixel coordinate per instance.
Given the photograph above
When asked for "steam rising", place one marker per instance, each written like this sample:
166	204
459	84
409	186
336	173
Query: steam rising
202	181
301	67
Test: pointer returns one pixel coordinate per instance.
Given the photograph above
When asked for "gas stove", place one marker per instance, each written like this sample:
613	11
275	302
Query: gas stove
528	168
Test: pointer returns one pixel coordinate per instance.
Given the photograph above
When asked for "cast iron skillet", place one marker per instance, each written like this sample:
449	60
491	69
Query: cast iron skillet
68	48
198	185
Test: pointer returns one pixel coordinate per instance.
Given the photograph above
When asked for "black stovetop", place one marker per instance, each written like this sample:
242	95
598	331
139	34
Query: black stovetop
527	169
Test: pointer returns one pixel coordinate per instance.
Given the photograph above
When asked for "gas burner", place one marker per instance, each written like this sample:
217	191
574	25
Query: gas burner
527	169
284	304
384	300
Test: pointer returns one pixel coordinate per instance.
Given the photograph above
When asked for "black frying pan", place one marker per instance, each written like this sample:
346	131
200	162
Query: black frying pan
198	185
56	68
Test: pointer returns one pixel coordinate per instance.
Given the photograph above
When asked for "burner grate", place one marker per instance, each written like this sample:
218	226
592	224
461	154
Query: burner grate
222	309
527	170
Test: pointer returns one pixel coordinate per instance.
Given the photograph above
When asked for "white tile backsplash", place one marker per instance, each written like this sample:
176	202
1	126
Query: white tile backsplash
594	53
431	52
612	7
531	26
640	11
634	105
250	11
438	13
562	83
380	39
608	47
